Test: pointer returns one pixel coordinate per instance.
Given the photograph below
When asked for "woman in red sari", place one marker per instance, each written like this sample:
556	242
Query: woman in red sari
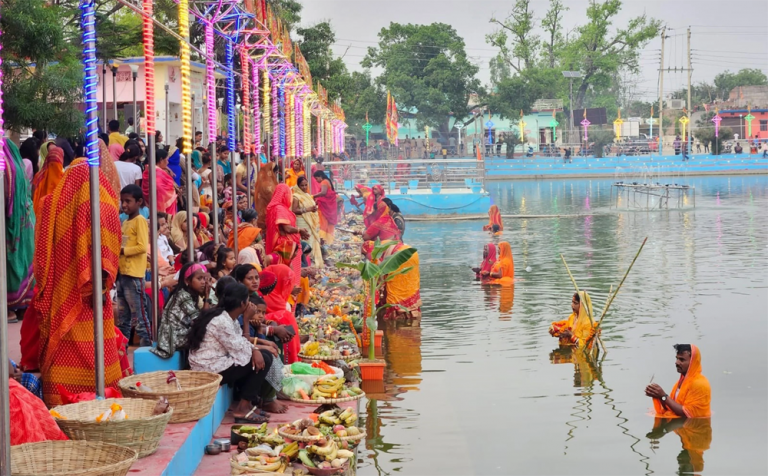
166	187
368	200
495	224
283	237
483	273
278	309
327	207
382	225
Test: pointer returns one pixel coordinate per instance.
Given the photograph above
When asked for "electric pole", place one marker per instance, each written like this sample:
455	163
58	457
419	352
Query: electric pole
688	140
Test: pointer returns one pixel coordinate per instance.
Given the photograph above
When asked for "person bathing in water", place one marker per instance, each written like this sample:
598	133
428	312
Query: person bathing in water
483	272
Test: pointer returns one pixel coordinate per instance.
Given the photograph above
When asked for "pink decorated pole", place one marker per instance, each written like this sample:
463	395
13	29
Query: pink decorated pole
717	120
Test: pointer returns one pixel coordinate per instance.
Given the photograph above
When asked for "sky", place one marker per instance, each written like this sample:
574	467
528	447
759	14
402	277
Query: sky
729	34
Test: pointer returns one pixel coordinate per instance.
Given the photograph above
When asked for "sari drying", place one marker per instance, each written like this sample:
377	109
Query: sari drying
310	221
328	210
287	246
505	265
692	391
277	309
63	269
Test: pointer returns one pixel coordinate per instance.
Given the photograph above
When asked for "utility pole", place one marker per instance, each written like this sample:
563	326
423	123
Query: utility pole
661	93
688	140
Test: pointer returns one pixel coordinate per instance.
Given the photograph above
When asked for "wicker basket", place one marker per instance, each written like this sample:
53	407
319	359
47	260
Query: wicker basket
329	358
329	400
141	431
191	403
71	458
300	438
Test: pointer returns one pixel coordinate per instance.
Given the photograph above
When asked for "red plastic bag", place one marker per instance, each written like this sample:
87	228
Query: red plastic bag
30	417
67	397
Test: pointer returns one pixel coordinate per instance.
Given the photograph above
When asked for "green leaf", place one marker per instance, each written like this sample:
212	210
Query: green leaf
370	271
357	266
398	259
397	273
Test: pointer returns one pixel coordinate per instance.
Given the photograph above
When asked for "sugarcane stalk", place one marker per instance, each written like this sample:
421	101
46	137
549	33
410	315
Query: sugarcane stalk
573	280
610	300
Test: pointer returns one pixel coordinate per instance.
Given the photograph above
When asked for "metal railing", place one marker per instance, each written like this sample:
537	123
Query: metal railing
450	173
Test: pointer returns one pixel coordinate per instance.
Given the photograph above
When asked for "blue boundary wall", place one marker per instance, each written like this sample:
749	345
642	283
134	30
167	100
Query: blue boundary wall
438	204
510	169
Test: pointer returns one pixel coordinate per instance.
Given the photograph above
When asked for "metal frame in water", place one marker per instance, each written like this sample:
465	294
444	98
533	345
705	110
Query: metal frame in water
661	193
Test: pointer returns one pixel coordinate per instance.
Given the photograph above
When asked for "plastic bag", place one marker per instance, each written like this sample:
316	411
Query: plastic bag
301	368
292	385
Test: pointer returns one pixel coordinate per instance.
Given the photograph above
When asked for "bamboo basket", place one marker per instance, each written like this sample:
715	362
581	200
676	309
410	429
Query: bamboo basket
327	358
141	431
299	438
71	458
328	400
191	403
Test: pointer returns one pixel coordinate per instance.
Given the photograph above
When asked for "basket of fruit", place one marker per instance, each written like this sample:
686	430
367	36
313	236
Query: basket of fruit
133	422
328	351
328	389
301	430
339	425
301	371
272	455
324	457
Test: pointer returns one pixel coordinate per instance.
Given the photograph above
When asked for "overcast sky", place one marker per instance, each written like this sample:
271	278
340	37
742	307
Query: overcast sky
730	34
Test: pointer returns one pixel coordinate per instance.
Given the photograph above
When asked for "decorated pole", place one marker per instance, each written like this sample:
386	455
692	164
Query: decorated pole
229	54
553	124
617	125
186	112
149	106
748	119
210	84
717	120
684	122
5	412
88	27
585	123
367	128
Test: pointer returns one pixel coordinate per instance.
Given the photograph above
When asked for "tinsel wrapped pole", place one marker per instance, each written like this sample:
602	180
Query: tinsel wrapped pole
5	412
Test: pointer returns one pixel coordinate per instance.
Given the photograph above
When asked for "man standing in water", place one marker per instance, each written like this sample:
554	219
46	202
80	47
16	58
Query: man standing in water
691	395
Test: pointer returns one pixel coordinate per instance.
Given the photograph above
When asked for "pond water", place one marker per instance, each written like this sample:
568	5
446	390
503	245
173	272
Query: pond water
479	387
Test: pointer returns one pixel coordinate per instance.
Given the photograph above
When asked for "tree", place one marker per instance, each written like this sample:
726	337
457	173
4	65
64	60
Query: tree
726	81
427	69
512	95
600	53
499	70
362	97
517	29
552	23
707	137
43	76
289	11
599	139
316	47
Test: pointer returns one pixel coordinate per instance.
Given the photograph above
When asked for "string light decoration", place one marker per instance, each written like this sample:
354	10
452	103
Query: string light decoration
290	111
281	112
210	80
148	31
266	100
88	26
245	62
716	119
298	113
586	124
256	109
617	125
319	130
229	59
2	131
307	129
186	77
275	123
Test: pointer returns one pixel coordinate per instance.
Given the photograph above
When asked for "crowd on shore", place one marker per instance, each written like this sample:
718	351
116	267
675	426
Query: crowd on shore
231	309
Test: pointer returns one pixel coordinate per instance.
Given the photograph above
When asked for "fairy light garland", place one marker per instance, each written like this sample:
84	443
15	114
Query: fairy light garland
281	112
267	100
186	76
229	58
256	109
275	123
210	80
307	125
88	25
2	124
291	123
245	62
148	31
298	113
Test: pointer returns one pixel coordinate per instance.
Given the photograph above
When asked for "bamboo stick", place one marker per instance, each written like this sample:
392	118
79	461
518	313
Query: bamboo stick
610	300
573	280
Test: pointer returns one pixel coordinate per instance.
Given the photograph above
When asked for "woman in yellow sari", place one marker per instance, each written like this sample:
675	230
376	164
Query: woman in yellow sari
578	330
305	208
503	270
405	289
292	175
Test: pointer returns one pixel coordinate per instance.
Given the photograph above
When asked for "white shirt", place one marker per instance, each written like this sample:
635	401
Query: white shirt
222	347
164	248
128	172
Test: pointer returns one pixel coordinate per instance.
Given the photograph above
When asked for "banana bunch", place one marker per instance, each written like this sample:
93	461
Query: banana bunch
277	464
311	348
329	418
328	386
348	417
291	450
329	451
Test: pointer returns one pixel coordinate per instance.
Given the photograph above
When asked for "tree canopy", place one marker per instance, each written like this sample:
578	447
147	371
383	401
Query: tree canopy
427	69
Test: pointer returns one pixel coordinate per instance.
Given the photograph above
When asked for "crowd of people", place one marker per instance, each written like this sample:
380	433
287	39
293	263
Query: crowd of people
230	309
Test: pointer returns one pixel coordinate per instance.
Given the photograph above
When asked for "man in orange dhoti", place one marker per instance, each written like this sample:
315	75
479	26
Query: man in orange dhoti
691	395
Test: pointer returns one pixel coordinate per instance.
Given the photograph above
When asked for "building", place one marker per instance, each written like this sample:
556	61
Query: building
734	119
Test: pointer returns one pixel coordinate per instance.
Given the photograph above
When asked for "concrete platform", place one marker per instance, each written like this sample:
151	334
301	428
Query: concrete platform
449	202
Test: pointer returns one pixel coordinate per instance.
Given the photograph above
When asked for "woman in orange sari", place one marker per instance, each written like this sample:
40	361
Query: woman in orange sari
247	232
368	201
64	293
579	329
503	272
495	224
382	225
166	187
283	237
292	174
48	177
404	290
327	207
277	309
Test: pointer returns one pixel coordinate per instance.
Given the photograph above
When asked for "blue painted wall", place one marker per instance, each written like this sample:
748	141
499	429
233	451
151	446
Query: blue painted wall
439	204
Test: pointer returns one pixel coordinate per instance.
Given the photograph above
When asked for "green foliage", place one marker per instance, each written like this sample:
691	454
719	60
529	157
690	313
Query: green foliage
376	275
427	69
512	141
599	139
707	137
512	95
726	81
289	11
363	96
515	38
316	47
42	72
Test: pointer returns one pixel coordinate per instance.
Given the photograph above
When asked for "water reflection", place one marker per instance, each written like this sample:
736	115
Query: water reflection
695	435
501	298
